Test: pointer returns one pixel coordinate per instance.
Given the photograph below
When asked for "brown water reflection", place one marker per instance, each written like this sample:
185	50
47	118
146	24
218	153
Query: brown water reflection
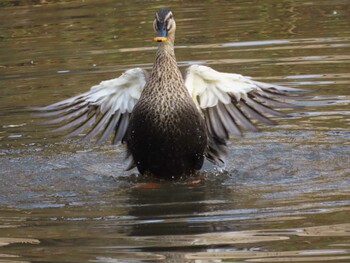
285	196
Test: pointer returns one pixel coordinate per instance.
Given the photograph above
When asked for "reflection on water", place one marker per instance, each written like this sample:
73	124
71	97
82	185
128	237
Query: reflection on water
285	194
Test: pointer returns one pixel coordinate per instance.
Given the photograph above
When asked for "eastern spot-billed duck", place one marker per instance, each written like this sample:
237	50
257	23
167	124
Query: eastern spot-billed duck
170	123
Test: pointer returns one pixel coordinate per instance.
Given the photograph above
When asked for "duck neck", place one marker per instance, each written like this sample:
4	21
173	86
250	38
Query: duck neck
165	58
166	76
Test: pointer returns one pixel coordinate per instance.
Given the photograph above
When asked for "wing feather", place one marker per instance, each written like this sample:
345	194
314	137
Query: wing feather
89	121
58	111
227	121
241	119
120	131
73	122
253	113
102	110
276	103
71	114
98	126
263	108
231	103
216	124
111	125
64	104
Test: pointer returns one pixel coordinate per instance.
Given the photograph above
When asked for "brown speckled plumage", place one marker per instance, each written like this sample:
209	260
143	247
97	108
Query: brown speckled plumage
166	135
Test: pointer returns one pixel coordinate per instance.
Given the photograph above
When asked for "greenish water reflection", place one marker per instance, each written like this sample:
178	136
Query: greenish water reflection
285	196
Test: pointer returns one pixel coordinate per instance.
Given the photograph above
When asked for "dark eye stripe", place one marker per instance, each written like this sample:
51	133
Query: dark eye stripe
155	24
168	16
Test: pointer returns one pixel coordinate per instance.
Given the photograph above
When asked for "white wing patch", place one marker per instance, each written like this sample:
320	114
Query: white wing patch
212	86
120	93
104	109
232	103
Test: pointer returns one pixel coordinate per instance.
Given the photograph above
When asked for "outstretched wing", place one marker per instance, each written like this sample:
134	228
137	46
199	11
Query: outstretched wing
104	110
231	102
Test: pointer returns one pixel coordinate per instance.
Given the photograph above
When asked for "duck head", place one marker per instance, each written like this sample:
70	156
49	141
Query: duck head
164	26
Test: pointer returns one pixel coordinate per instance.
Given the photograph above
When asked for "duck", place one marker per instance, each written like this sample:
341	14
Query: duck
171	122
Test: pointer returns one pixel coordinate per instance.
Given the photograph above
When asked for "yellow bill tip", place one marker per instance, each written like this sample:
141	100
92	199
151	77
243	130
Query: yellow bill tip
160	39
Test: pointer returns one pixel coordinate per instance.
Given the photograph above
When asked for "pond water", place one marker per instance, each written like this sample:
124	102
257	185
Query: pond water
286	193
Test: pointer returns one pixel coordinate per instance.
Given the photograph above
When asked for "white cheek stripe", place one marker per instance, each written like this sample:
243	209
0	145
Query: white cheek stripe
169	24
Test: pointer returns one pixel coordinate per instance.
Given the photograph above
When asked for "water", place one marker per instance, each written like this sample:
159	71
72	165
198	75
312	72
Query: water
285	195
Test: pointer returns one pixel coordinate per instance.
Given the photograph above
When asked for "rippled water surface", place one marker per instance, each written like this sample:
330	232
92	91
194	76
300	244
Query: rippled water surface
286	193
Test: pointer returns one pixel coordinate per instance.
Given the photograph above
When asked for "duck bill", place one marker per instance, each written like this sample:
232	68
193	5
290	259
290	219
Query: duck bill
160	39
161	34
